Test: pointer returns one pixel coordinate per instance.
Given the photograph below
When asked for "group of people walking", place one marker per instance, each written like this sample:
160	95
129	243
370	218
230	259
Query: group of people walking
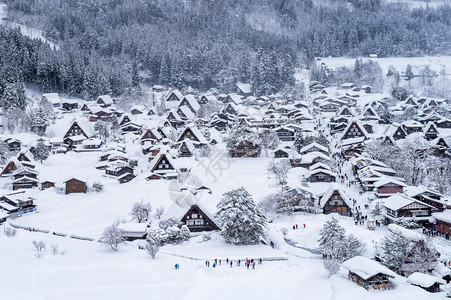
248	263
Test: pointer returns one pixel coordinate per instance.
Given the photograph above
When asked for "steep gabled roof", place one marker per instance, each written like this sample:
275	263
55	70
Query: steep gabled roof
335	187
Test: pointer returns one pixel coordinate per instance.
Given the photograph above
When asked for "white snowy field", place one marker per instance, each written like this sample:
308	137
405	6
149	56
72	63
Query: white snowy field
88	271
436	63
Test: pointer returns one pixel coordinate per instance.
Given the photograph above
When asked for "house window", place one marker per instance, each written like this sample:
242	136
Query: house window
199	222
190	222
193	216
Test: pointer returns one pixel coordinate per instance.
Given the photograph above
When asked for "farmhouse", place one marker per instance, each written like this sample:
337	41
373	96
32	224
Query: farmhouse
199	219
74	185
426	282
335	200
368	273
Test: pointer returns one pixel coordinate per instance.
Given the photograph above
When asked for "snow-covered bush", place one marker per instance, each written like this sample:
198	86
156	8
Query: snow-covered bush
206	237
284	230
97	186
165	224
111	237
170	235
55	249
410	223
242	222
39	245
10	232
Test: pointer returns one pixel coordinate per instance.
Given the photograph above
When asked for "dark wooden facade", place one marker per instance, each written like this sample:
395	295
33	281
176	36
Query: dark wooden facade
336	204
377	282
245	149
197	220
75	186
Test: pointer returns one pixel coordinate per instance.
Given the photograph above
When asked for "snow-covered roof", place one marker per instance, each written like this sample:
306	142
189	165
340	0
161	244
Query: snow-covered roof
312	145
424	280
366	268
319	166
106	99
193	102
316	171
244	87
441	270
52	98
407	233
310	156
335	187
444	216
387	180
187	112
398	201
413	191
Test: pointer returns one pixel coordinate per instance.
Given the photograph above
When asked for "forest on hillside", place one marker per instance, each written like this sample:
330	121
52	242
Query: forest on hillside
117	46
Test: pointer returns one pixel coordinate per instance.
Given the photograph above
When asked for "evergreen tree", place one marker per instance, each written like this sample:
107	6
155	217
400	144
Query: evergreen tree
39	121
332	240
409	73
242	223
14	96
396	248
41	152
422	258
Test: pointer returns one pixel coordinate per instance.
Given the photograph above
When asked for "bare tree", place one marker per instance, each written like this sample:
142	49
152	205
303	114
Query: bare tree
152	248
111	237
141	211
332	265
39	246
159	212
280	170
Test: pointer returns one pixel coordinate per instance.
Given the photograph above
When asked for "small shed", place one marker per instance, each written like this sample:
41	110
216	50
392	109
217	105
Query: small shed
426	282
368	273
133	231
74	185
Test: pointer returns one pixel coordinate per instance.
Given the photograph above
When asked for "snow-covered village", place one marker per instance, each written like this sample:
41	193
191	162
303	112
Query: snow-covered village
268	175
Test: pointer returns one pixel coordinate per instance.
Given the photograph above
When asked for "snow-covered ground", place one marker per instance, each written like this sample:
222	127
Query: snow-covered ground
436	63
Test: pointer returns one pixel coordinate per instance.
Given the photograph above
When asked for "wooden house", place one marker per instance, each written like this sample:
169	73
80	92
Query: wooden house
133	231
124	119
118	169
402	206
151	135
281	153
430	131
164	166
427	196
192	133
314	147
243	89
368	273
52	98
131	127
124	178
80	128
412	126
16	204
24	182
74	185
344	111
70	105
190	102
321	175
186	148
443	123
285	134
173	97
355	129
426	282
443	221
14	145
105	100
11	166
46	184
198	219
387	187
335	200
348	86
